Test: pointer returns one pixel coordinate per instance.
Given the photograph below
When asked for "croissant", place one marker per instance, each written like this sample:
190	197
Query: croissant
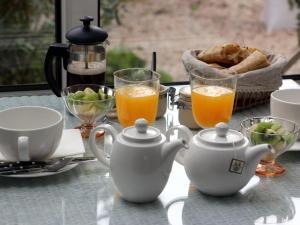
216	66
225	54
254	61
244	53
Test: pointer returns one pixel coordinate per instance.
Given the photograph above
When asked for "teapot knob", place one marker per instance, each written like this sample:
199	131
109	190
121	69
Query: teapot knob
221	129
141	125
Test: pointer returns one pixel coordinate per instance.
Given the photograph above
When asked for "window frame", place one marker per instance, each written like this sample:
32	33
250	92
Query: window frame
59	29
58	35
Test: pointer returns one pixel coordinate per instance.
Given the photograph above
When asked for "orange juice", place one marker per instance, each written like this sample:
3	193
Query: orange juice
212	104
134	102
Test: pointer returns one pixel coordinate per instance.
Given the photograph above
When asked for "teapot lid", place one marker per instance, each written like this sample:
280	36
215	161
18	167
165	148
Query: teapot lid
86	34
221	135
141	132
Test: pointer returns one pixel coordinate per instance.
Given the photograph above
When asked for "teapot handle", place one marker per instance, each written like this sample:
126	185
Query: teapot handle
184	129
99	153
188	136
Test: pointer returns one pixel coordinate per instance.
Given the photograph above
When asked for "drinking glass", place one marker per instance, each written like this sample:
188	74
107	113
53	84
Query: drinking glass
137	92
212	98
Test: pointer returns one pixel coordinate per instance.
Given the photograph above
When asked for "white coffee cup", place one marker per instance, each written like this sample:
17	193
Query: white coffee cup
29	132
286	104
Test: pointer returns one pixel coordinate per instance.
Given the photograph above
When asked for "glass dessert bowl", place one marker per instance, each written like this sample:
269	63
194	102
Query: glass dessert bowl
89	103
281	134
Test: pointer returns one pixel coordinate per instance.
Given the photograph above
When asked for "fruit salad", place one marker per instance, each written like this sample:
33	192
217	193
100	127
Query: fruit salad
88	102
272	133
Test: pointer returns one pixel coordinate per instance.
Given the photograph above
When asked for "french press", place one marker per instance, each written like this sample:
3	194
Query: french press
83	58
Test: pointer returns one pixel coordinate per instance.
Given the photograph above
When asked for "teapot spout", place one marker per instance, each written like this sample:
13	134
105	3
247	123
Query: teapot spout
170	149
254	154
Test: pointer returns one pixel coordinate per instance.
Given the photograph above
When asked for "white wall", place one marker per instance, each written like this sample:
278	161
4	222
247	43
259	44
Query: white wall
277	14
73	10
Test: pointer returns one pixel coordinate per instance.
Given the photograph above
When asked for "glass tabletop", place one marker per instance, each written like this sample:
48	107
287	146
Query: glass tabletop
86	195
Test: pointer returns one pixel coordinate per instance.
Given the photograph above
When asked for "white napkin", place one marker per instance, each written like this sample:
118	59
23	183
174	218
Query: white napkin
71	144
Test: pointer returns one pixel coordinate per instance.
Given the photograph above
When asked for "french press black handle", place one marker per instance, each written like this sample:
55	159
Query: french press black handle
55	50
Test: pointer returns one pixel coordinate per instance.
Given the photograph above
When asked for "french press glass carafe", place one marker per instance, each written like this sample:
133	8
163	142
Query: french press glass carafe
83	58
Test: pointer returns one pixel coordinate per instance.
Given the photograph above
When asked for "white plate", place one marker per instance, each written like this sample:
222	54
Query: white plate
42	174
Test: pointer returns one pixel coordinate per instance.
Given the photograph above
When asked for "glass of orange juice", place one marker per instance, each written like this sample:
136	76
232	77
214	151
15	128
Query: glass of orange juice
136	93
212	98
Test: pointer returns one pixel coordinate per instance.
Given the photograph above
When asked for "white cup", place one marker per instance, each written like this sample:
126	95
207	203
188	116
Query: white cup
29	132
286	104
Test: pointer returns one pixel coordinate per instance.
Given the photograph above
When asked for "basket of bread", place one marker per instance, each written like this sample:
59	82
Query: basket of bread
259	72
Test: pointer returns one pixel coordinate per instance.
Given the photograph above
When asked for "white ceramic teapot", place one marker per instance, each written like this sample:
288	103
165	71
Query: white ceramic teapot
220	161
141	159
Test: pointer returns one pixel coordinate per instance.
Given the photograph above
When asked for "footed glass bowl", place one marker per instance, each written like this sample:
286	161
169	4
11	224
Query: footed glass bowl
281	134
89	103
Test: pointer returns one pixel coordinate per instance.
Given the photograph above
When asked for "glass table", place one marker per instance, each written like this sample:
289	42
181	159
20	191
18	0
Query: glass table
85	194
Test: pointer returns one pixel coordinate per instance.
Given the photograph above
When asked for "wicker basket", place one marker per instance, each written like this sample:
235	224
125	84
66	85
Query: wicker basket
253	87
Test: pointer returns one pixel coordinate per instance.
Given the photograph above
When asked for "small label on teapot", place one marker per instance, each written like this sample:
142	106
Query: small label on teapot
236	166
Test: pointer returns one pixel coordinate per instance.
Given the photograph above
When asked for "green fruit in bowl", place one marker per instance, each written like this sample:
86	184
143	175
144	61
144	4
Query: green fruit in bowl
85	109
272	133
276	126
78	95
101	94
262	127
88	102
90	95
73	97
100	105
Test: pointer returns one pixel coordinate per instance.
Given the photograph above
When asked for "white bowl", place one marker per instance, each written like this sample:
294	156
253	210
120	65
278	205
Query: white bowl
286	104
